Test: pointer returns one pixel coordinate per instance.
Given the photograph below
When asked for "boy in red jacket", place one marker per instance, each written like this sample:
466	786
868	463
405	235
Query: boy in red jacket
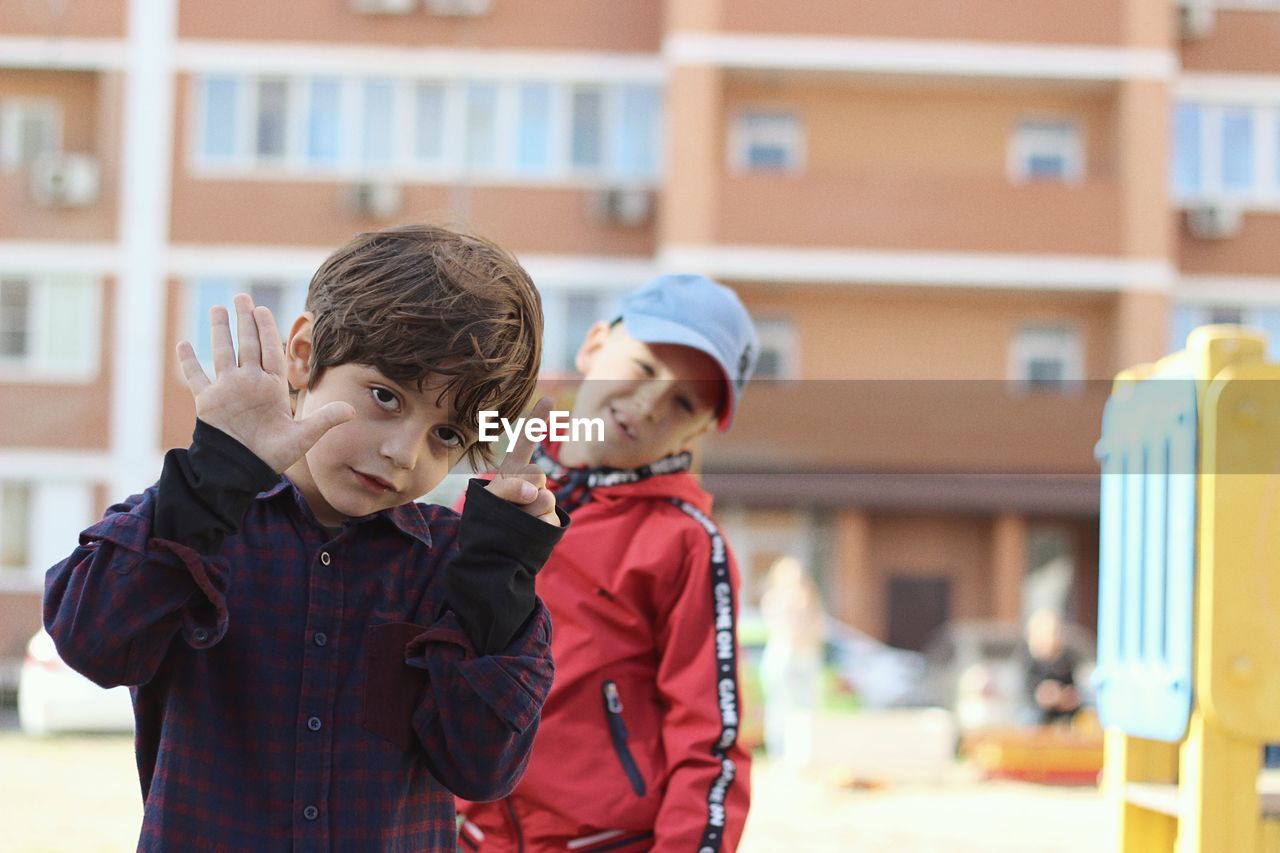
638	747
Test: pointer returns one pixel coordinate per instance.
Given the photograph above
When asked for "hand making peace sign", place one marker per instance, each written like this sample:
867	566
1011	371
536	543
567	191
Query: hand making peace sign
522	483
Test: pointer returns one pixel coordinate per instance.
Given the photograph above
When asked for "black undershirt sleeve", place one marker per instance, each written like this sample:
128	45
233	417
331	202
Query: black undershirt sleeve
205	490
489	584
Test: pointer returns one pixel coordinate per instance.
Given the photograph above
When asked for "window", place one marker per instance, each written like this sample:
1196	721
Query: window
777	358
479	129
48	328
378	123
569	313
767	141
285	299
429	122
324	122
587	137
534	155
220	114
272	122
638	133
29	130
1264	318
15	317
1237	149
482	126
1186	150
15	526
1050	151
1045	358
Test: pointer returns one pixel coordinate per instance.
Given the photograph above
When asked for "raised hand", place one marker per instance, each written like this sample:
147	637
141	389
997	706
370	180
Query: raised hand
249	399
522	483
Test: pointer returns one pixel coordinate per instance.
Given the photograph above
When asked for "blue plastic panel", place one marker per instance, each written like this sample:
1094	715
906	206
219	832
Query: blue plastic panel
1146	589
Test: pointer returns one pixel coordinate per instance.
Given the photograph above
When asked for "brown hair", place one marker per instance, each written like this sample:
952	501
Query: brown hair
417	300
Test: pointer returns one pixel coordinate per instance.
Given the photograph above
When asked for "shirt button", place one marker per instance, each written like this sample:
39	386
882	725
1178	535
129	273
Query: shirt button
321	638
311	813
324	558
200	635
314	724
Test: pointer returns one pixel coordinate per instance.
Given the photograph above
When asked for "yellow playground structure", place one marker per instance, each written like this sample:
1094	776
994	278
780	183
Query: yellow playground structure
1188	675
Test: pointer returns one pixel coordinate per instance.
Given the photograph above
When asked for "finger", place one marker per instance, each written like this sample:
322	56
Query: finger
191	369
542	504
520	453
224	353
513	490
531	474
247	331
321	421
269	337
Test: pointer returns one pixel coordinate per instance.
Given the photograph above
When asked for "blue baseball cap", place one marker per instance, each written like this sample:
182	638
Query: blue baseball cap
694	311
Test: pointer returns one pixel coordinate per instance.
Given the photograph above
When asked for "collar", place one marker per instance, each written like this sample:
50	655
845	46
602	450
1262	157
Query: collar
408	518
604	476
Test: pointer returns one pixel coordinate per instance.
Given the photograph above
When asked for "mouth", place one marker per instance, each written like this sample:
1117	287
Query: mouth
374	484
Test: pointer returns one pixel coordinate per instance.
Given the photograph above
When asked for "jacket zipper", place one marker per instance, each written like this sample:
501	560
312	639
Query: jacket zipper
618	734
515	824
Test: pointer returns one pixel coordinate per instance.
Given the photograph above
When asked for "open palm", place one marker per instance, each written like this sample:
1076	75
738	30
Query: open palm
248	398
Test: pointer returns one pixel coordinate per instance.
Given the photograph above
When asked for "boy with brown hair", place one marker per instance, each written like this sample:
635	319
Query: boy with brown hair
317	661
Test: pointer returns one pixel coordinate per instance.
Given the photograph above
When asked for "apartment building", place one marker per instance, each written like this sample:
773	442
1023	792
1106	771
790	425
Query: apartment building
954	222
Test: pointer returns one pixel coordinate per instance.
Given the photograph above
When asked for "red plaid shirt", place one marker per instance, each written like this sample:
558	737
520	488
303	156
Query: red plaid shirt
303	689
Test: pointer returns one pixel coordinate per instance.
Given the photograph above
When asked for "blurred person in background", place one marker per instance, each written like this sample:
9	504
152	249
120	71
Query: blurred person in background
791	668
1050	670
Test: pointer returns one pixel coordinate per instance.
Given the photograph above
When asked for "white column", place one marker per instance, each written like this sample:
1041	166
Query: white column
139	356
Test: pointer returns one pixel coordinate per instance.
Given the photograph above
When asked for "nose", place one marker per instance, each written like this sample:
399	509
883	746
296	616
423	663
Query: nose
402	445
653	397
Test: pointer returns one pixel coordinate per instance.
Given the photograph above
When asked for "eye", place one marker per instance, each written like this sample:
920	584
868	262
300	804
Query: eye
645	368
450	437
685	404
385	399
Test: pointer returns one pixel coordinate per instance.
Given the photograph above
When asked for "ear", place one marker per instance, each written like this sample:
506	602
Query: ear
298	351
591	344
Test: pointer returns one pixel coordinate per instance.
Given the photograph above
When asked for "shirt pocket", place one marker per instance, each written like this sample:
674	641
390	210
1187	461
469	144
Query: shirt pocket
391	687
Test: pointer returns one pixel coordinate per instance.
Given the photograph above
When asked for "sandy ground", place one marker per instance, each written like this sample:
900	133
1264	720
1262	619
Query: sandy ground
80	794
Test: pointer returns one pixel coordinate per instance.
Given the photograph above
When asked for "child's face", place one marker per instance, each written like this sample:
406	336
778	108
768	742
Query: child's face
655	399
399	445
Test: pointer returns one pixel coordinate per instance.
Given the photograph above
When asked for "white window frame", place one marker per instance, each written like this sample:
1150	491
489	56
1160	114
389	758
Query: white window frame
1264	191
58	510
778	334
40	363
405	165
13	111
1032	137
788	134
196	321
1056	341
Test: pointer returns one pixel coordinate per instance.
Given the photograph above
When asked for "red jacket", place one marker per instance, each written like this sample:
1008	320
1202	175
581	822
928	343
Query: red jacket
637	748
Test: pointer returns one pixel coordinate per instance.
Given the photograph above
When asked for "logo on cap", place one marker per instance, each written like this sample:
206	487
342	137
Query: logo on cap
744	362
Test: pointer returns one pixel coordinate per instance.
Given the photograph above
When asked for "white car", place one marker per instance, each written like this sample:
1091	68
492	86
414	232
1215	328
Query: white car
53	697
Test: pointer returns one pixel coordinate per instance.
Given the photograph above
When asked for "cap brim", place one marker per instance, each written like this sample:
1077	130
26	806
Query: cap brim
656	330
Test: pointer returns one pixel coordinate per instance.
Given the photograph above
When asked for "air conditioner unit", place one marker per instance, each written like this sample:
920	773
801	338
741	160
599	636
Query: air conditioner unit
65	180
383	7
459	8
373	200
1195	19
1214	221
621	206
